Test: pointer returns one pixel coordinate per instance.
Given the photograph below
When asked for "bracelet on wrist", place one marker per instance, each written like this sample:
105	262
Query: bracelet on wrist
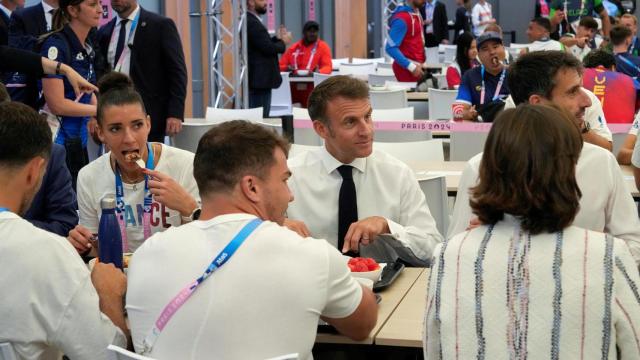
58	66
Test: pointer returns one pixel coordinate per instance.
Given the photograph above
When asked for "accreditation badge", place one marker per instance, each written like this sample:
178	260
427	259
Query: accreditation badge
53	53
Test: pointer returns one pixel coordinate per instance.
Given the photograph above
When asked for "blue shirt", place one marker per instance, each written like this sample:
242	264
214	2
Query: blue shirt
628	64
65	47
471	87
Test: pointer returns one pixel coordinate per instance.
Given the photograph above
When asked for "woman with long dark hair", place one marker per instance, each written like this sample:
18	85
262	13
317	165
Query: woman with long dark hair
69	43
466	53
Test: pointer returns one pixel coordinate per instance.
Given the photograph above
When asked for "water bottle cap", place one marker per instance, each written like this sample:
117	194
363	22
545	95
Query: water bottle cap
108	202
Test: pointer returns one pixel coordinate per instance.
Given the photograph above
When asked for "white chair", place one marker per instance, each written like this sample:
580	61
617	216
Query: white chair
433	56
442	80
335	63
304	136
387	71
379	80
400	114
215	115
286	357
396	85
297	149
450	53
389	99
281	98
301	113
384	65
440	102
514	50
366	61
274	125
118	353
94	150
435	193
413	151
465	145
6	352
357	69
188	138
318	78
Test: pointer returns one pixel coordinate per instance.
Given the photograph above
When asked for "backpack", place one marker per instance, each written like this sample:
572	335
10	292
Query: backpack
24	87
427	82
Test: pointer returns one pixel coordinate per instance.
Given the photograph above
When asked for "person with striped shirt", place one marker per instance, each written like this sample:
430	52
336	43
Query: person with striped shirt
527	284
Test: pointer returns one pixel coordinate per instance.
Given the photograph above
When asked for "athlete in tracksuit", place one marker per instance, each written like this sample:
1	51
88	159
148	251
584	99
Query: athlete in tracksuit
405	43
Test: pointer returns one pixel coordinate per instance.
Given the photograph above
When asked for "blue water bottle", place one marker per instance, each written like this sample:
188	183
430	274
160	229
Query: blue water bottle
109	238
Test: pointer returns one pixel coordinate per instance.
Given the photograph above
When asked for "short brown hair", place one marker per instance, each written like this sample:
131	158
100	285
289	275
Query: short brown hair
588	22
335	87
630	16
232	150
619	34
528	169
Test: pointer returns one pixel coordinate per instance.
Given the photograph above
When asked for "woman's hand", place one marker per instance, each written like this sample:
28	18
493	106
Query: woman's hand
168	192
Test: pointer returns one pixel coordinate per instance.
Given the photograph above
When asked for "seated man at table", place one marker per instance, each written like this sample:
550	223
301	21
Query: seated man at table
539	35
51	303
483	89
347	193
269	294
606	204
305	57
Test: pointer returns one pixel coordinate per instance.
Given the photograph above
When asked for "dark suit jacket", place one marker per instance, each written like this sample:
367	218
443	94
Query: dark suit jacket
4	28
462	22
20	60
26	26
54	206
263	50
440	21
158	69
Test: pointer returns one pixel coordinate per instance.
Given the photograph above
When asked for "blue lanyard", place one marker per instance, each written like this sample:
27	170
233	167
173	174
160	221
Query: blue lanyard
498	87
147	200
633	45
181	298
628	62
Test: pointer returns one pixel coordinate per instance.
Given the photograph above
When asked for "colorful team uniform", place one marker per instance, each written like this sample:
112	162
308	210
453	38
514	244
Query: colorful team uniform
616	92
405	43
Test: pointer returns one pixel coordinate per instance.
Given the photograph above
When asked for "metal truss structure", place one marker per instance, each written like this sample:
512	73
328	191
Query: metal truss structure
228	45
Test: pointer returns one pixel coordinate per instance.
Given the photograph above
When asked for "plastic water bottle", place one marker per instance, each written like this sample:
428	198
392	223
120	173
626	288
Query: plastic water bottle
109	238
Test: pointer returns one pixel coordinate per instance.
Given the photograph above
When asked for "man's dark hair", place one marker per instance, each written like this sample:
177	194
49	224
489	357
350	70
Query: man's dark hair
334	87
588	22
543	22
619	34
4	95
24	135
528	169
597	58
232	150
535	72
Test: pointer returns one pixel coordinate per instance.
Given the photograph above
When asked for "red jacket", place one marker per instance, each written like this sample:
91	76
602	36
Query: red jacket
297	57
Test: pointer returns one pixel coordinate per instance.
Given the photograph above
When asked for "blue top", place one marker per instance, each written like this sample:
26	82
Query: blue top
628	64
471	87
65	47
397	31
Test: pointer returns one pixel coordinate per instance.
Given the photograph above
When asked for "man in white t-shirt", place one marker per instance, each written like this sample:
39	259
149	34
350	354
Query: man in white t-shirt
349	194
606	204
51	303
584	40
626	150
481	16
266	300
538	33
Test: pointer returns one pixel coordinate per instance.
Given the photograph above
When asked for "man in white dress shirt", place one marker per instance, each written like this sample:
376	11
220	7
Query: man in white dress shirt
555	77
389	199
51	303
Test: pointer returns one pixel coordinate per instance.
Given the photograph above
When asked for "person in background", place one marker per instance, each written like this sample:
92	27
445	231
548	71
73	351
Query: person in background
526	262
436	23
52	304
462	23
481	16
584	40
70	44
616	91
554	78
147	47
150	199
575	10
631	22
298	280
485	84
263	50
466	53
543	9
307	56
627	148
621	39
405	43
347	193
538	33
6	8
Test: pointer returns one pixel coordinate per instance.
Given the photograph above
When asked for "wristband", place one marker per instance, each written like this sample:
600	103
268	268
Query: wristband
58	68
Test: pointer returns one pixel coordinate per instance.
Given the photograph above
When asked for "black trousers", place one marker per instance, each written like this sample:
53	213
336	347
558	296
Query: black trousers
260	98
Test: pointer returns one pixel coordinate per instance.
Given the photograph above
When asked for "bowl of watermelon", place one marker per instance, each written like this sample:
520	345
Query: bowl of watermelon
365	268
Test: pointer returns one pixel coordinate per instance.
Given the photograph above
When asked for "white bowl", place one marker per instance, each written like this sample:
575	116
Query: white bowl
373	275
368	283
302	72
